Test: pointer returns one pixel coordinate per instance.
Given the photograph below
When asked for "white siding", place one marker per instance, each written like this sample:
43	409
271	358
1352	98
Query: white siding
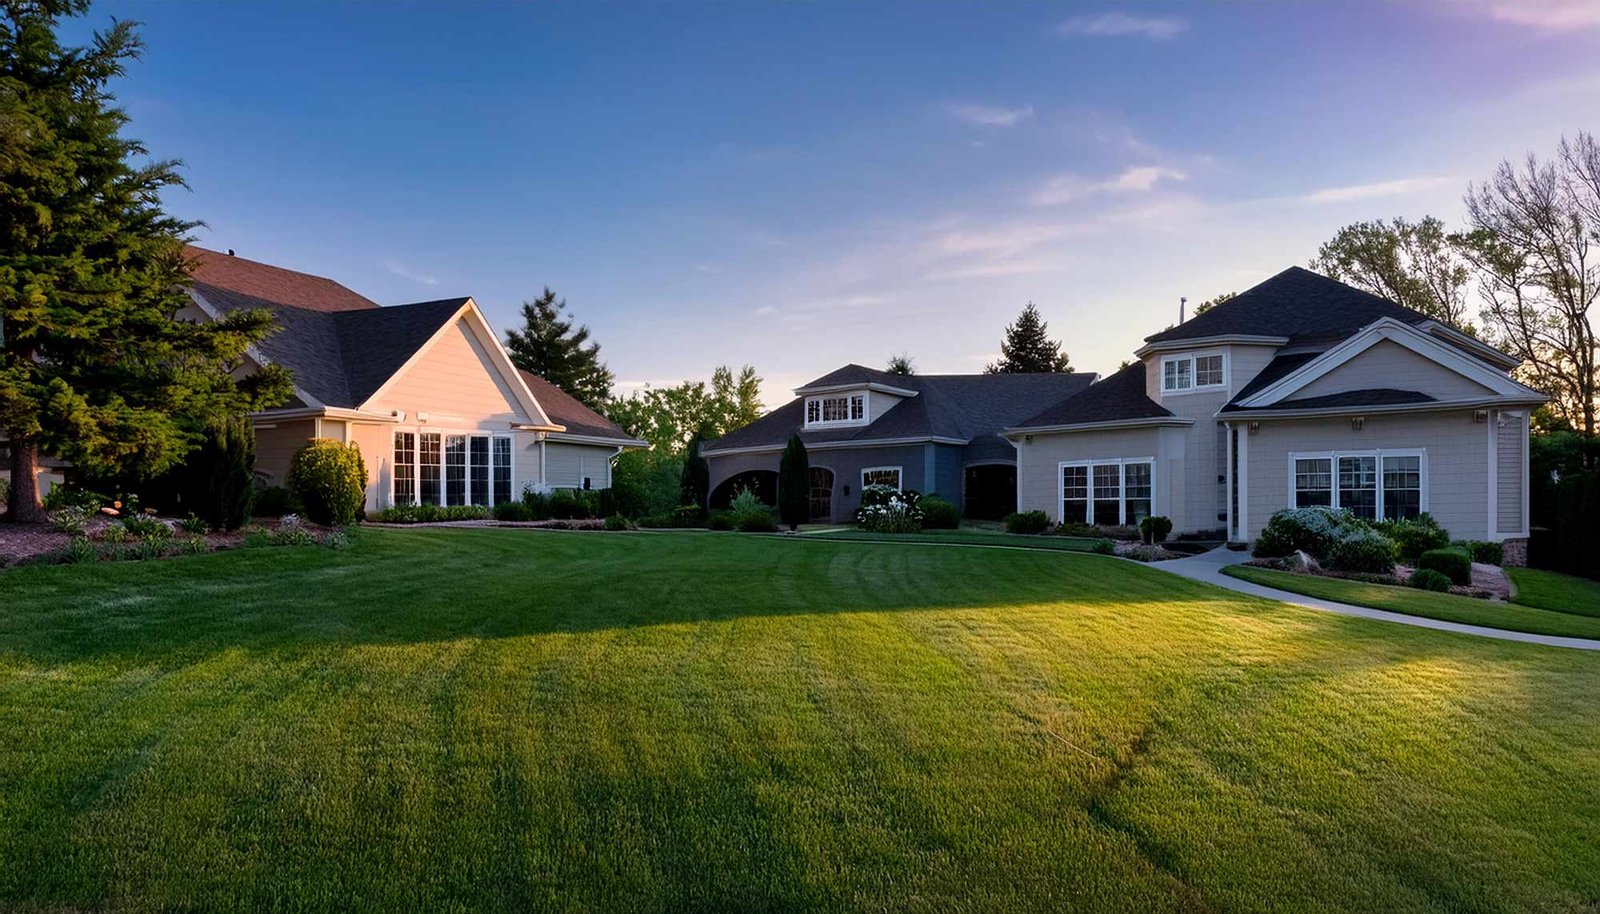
1511	436
567	465
1391	365
1456	485
456	384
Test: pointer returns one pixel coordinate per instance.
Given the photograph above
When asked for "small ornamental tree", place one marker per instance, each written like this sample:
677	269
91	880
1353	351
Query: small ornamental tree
330	479
794	487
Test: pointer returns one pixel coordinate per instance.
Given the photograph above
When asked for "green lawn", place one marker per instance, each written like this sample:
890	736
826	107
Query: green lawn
1554	591
968	536
510	720
1412	601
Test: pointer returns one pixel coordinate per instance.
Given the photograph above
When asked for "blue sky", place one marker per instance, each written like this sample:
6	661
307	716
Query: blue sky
801	185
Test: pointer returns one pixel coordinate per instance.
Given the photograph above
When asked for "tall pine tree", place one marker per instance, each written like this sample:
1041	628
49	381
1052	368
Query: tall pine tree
550	347
1028	347
94	366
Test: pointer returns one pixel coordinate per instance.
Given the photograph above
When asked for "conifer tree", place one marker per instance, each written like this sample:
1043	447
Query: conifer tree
1028	347
552	348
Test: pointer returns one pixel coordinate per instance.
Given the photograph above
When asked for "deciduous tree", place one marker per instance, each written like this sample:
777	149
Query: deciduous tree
1417	264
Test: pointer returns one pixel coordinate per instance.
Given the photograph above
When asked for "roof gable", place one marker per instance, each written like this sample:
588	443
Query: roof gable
564	409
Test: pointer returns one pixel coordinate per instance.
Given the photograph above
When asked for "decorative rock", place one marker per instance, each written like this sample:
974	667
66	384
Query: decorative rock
1302	562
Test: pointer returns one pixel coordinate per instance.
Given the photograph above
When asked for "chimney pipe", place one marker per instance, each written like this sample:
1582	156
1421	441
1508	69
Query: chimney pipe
1183	302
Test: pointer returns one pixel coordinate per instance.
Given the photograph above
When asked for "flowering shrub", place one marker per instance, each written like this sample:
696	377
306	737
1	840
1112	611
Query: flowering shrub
885	509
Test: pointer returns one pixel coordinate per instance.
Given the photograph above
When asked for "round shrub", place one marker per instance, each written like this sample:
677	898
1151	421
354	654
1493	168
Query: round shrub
938	514
1028	522
1428	579
1414	536
1365	551
330	479
721	520
1489	553
1452	563
1155	529
1103	546
1314	530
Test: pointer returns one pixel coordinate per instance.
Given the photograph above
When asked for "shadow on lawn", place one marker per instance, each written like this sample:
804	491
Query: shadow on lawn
413	586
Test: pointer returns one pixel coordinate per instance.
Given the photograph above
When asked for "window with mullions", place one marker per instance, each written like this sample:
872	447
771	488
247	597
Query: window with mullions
502	470
1372	485
1107	494
1075	495
1136	492
404	466
455	469
1358	486
1402	487
478	453
428	465
1313	482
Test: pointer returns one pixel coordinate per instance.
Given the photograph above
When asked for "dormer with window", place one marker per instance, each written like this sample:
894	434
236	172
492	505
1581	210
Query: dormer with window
1190	372
830	409
851	396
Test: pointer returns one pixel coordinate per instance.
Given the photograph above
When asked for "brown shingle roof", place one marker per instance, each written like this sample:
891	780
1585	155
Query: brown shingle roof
564	409
272	284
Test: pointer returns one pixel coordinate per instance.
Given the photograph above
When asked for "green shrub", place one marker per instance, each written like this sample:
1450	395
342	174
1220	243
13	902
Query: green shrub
1489	553
1454	564
1414	536
939	514
5	491
659	522
290	533
217	479
1155	529
432	514
1428	579
337	540
1363	550
761	520
1312	530
65	496
617	522
721	520
1100	546
514	511
145	527
1074	529
794	486
70	519
330	479
116	533
80	551
276	501
194	545
567	504
537	503
689	516
1030	522
193	524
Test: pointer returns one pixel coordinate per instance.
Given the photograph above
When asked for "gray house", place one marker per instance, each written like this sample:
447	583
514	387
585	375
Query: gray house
932	433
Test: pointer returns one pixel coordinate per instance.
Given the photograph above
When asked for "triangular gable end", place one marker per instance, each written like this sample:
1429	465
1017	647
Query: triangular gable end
499	362
1474	377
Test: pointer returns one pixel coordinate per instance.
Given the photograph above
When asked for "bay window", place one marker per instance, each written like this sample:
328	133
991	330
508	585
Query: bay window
1374	485
440	468
1107	493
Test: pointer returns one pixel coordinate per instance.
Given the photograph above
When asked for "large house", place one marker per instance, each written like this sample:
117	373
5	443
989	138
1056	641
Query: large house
1301	391
425	390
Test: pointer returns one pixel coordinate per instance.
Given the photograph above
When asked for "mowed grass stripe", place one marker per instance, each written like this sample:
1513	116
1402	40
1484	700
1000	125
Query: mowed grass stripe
507	720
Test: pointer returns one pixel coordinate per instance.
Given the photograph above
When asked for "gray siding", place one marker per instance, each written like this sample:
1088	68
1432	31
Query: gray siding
846	464
1511	436
1389	364
1039	469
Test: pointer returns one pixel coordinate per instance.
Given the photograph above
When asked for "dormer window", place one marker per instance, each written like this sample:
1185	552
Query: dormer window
836	409
1183	373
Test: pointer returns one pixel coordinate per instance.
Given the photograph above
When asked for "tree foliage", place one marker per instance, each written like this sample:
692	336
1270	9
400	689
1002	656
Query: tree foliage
1027	347
217	481
794	484
903	365
668	416
694	484
1210	303
1532	238
552	348
94	366
1417	264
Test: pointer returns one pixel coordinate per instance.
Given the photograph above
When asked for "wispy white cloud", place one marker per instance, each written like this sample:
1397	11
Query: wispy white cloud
404	271
1376	190
1138	179
1118	23
990	115
997	241
1548	15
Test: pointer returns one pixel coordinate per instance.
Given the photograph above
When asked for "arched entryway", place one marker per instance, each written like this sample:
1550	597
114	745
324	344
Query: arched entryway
821	482
991	491
764	483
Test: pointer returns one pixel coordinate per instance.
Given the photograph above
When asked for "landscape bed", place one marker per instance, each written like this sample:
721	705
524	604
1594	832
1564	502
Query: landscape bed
485	719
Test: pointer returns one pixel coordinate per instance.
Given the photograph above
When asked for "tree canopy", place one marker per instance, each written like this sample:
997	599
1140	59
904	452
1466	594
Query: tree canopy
668	417
1417	264
550	346
902	364
95	367
1027	347
1210	303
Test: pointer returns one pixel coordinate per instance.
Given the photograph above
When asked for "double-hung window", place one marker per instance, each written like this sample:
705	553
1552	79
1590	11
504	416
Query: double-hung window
428	468
1107	493
1182	373
1374	485
405	467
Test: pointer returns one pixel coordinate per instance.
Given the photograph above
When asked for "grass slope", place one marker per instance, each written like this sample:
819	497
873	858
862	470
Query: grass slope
1412	601
968	536
509	720
1555	591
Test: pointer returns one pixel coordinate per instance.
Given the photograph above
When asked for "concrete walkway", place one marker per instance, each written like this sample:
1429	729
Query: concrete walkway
1208	567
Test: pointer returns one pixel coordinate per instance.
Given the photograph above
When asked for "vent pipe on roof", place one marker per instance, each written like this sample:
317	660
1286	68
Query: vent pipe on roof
1183	301
230	252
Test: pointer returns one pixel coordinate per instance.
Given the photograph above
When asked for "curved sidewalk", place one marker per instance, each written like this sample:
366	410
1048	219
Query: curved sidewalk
1208	567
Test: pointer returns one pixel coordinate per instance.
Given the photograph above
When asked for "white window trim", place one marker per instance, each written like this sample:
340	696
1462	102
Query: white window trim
847	396
1195	387
1333	458
416	462
899	474
1122	486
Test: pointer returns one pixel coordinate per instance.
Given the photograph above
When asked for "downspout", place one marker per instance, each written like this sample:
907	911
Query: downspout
543	481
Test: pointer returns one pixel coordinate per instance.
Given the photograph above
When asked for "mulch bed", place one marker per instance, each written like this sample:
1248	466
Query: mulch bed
22	544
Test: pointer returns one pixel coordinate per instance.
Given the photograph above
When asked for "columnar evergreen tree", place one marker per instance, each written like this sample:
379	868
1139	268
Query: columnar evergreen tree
217	481
1028	347
695	482
94	365
794	484
552	348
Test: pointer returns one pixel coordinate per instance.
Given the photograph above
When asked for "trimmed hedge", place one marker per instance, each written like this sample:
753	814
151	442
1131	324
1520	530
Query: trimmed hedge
1155	529
1027	522
1483	551
1452	563
1428	579
938	514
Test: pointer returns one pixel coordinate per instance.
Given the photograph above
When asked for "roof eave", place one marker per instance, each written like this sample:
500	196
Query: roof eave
870	385
1221	339
1377	409
1144	422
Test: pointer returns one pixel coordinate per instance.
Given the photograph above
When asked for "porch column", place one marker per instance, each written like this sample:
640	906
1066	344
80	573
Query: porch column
1244	483
1227	486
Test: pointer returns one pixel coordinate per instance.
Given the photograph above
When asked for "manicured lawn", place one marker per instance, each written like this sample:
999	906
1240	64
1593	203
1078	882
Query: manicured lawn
507	720
1411	601
969	536
1555	591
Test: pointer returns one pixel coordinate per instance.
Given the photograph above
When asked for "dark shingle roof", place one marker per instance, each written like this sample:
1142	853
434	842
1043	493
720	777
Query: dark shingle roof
1119	397
1372	396
964	407
564	409
1279	367
1297	304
